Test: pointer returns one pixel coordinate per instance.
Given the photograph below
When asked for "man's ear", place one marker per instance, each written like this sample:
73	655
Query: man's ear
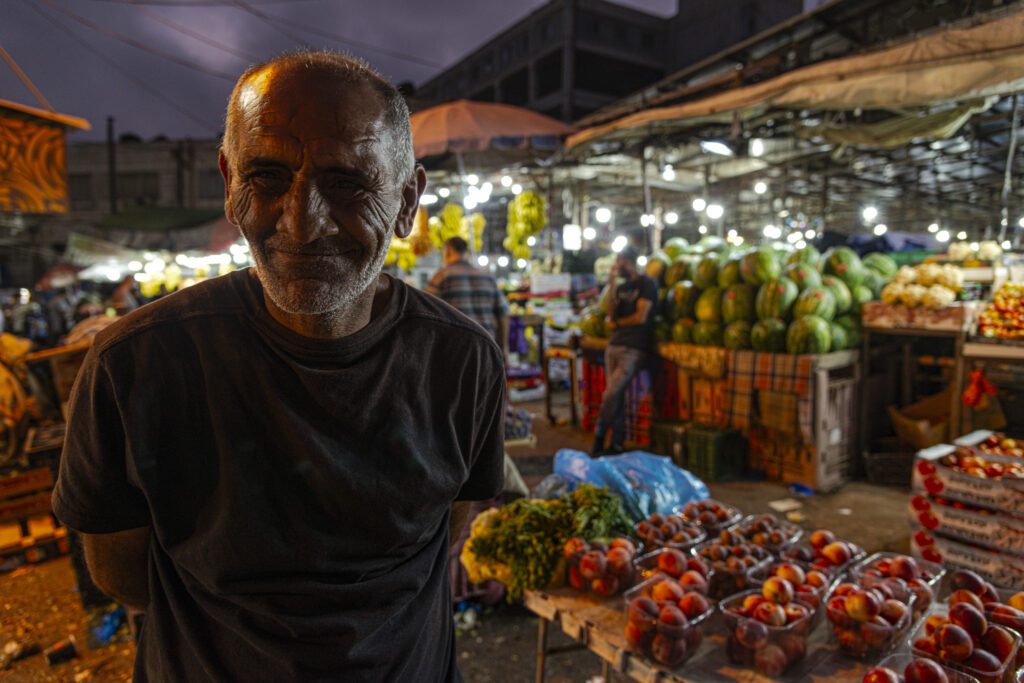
225	171
411	191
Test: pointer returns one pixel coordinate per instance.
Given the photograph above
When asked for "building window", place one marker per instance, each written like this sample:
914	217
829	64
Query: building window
515	89
80	192
548	73
211	185
138	189
610	76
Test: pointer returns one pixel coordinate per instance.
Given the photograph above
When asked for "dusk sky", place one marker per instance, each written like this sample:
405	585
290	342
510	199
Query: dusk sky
167	66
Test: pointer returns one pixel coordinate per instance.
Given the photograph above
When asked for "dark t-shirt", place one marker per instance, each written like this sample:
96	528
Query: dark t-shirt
298	489
635	336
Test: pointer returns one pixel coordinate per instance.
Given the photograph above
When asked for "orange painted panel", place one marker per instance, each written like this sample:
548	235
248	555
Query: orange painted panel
33	166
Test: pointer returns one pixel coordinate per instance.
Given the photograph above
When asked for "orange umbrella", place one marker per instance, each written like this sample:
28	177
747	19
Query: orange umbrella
465	125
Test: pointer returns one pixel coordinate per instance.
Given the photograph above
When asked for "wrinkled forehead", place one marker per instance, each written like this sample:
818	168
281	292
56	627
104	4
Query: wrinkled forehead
309	108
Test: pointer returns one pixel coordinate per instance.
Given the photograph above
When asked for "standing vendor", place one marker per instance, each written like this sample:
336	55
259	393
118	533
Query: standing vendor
631	319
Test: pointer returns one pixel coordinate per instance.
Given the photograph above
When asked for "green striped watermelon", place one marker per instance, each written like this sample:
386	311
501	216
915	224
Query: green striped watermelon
840	340
709	305
682	331
684	295
592	322
662	330
677	270
706	274
844	263
707	333
840	292
775	299
738	304
759	266
803	274
729	273
808	255
881	264
712	243
809	334
666	307
769	335
861	295
873	281
737	335
816	301
603	299
675	247
851	324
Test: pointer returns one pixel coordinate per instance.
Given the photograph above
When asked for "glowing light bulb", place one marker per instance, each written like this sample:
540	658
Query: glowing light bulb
715	211
760	187
869	213
699	204
603	214
671	218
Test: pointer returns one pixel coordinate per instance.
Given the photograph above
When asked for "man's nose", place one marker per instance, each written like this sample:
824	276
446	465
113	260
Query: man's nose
306	214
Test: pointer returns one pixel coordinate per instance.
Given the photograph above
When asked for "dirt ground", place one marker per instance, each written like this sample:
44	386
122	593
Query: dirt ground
39	602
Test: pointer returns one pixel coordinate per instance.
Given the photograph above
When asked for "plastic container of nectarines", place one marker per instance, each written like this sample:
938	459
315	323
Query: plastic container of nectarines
802	551
770	650
669	642
659	537
776	538
728	576
710	514
864	573
813	592
862	635
1006	673
899	663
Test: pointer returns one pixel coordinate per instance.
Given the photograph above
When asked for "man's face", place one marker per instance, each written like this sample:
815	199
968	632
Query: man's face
625	268
312	186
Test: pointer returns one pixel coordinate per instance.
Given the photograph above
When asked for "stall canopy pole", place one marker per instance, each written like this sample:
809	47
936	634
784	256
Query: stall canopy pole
1008	176
649	234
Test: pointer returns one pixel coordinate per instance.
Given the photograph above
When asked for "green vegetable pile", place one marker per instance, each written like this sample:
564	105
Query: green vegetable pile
527	536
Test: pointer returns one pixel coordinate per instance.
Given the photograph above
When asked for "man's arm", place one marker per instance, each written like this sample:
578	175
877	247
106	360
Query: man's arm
434	286
502	332
119	565
457	521
643	309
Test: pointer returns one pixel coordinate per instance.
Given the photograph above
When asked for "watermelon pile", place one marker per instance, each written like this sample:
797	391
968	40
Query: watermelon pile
766	299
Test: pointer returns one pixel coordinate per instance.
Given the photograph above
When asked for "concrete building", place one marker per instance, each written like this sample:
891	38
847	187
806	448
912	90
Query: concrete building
571	57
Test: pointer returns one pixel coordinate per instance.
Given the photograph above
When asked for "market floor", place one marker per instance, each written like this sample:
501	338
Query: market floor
39	602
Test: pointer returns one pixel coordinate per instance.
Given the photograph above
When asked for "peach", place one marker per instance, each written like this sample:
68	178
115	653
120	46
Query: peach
821	538
672	562
793	645
862	605
593	565
643	612
953	643
668	651
965	596
837	612
656	518
637	639
698	565
999	642
893	611
933	622
694	604
793	573
1007	616
574	549
816	579
924	671
1017	600
606	585
751	634
968	580
982	661
625	543
794	612
738	652
969	618
769	613
693	581
620	561
667	591
752	601
837	552
926	645
852	642
883	565
904	567
576	580
671	621
881	674
778	590
898	587
876	632
924	594
845	588
990	594
770	660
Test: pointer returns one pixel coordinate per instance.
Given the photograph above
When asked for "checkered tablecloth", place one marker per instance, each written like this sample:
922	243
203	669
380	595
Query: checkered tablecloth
772	385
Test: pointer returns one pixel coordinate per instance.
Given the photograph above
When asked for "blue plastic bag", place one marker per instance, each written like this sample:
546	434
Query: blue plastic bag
647	483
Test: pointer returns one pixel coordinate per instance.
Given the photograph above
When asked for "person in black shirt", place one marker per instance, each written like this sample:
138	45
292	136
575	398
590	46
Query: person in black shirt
272	464
631	318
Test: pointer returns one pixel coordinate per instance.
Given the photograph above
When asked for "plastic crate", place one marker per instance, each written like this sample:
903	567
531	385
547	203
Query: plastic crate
715	454
668	437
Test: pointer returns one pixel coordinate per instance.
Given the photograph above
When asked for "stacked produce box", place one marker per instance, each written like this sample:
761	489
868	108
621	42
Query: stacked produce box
967	507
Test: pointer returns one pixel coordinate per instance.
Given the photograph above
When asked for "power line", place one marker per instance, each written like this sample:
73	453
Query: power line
196	3
117	67
193	34
333	36
139	46
25	79
266	19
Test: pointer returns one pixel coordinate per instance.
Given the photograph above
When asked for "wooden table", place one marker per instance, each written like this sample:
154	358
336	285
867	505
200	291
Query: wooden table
599	626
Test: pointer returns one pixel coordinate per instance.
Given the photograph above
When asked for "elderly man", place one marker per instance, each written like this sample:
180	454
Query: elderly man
471	290
272	463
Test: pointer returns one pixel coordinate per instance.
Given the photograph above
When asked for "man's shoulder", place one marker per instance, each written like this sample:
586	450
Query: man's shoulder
213	297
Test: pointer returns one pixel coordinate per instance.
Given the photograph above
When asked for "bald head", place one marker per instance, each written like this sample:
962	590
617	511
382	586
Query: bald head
337	71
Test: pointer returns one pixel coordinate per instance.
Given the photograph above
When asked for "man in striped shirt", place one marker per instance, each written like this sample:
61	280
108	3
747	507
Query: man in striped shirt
472	291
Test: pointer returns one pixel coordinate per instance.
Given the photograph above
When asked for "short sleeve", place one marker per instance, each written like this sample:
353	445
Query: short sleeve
487	469
500	305
93	494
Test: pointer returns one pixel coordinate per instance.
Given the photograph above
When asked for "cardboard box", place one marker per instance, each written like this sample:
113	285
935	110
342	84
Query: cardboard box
986	528
925	423
1001	569
684	406
931	477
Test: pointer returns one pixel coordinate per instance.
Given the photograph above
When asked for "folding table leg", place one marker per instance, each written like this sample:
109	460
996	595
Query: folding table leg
542	647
